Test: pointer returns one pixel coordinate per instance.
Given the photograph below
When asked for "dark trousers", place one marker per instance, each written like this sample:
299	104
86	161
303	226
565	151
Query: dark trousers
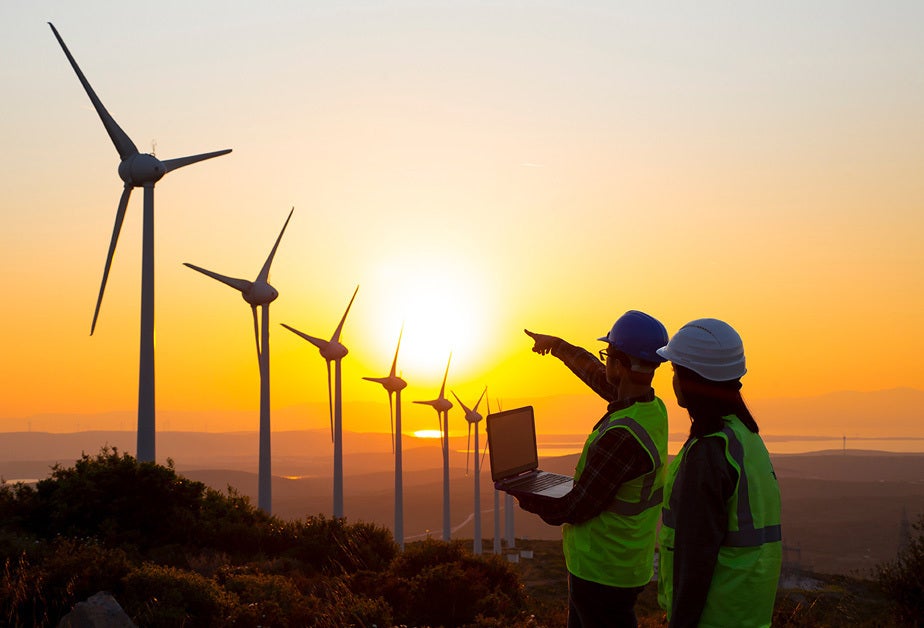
594	605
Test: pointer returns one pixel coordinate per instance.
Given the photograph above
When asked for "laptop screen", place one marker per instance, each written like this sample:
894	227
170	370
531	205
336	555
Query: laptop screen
512	442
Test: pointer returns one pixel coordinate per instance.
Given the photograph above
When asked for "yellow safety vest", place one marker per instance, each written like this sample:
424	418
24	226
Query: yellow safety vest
616	547
747	568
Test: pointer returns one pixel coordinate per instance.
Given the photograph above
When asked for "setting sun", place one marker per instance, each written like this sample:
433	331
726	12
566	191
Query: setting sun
428	434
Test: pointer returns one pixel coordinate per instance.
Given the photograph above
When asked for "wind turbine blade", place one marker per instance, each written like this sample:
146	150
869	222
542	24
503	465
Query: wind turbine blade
464	407
336	336
241	285
445	375
256	330
320	343
119	138
173	164
116	229
391	416
478	403
394	363
264	272
330	402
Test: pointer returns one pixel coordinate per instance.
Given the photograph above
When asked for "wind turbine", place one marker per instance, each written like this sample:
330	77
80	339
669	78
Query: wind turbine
473	418
259	293
136	170
442	407
394	385
497	515
333	351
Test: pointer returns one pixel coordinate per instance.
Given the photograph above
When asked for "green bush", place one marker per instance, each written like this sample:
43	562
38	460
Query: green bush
902	580
158	596
268	600
443	584
39	587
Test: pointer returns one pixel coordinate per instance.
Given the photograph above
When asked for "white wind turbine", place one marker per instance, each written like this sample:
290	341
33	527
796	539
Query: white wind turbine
394	385
473	418
259	293
333	351
497	509
136	170
442	405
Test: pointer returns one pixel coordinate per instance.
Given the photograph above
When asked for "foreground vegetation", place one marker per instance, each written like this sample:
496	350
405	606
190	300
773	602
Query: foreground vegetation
175	552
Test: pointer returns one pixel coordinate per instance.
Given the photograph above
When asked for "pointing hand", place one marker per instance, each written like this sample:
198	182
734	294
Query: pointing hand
542	343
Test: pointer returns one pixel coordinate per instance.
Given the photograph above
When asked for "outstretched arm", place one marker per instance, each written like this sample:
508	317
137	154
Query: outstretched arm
582	363
543	343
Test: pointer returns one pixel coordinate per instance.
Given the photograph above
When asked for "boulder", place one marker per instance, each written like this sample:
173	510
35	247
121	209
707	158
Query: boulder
98	611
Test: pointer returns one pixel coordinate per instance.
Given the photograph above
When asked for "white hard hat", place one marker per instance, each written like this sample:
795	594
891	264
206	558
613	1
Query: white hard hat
708	347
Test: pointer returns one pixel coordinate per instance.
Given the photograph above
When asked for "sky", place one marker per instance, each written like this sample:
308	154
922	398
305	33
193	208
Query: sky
476	168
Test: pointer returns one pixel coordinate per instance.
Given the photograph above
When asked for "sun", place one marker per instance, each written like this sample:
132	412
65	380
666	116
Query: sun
439	305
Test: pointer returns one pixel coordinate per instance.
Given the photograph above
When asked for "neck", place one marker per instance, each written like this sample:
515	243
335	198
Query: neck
629	389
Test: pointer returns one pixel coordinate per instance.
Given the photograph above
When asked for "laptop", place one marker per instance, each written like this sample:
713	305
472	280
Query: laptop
515	457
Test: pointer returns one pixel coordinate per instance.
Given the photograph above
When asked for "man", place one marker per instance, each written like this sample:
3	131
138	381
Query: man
609	518
720	538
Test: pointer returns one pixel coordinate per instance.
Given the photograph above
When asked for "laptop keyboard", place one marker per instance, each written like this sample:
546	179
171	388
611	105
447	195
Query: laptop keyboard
534	483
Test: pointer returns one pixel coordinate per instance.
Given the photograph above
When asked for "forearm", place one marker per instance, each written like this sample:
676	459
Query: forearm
587	368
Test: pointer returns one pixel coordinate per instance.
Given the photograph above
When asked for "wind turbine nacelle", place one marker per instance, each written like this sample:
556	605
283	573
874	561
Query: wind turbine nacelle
260	294
334	351
140	169
473	417
442	405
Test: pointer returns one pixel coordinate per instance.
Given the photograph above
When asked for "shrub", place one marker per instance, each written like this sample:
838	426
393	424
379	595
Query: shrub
268	600
902	580
165	596
438	583
43	585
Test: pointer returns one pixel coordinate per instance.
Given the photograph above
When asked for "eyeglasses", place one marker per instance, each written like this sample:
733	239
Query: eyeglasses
603	355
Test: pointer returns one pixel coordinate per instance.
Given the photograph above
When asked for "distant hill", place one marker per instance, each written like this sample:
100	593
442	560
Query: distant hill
893	413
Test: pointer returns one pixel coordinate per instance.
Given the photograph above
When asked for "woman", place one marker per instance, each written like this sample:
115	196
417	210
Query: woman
720	541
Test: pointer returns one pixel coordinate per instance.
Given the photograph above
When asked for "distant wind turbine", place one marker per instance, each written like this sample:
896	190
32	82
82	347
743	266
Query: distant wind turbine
136	170
333	351
497	509
442	405
394	385
259	293
473	418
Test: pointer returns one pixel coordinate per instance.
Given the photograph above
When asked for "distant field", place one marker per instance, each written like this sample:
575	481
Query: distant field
842	513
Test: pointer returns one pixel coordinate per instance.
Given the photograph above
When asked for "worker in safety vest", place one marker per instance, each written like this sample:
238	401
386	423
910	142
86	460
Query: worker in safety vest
720	541
609	518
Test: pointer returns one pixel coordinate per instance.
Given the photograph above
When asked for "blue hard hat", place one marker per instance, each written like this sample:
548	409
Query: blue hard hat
638	335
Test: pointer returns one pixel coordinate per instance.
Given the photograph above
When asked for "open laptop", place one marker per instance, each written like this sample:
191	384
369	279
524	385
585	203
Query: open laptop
515	457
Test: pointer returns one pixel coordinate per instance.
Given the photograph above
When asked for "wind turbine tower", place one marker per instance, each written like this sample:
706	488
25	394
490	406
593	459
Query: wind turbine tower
394	385
136	170
473	418
259	293
497	508
333	351
442	405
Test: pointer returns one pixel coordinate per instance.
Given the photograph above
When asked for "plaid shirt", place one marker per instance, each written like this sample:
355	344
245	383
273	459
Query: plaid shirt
611	460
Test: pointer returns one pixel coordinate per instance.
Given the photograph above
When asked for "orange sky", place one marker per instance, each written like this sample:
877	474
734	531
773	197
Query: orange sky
476	169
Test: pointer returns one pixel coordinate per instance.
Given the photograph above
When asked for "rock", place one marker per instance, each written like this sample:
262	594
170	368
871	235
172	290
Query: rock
99	611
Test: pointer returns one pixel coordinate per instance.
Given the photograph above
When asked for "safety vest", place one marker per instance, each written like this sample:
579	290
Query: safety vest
616	547
747	568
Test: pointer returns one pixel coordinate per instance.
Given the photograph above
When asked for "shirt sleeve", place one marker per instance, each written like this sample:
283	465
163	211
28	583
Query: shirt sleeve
613	459
587	367
700	500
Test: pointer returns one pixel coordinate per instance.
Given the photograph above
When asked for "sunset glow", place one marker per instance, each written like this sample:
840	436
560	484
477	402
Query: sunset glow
475	170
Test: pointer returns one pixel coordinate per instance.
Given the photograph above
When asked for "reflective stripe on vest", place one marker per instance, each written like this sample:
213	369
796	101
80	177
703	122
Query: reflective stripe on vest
647	499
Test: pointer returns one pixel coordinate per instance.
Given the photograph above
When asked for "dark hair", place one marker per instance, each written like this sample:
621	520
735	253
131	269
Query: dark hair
708	401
